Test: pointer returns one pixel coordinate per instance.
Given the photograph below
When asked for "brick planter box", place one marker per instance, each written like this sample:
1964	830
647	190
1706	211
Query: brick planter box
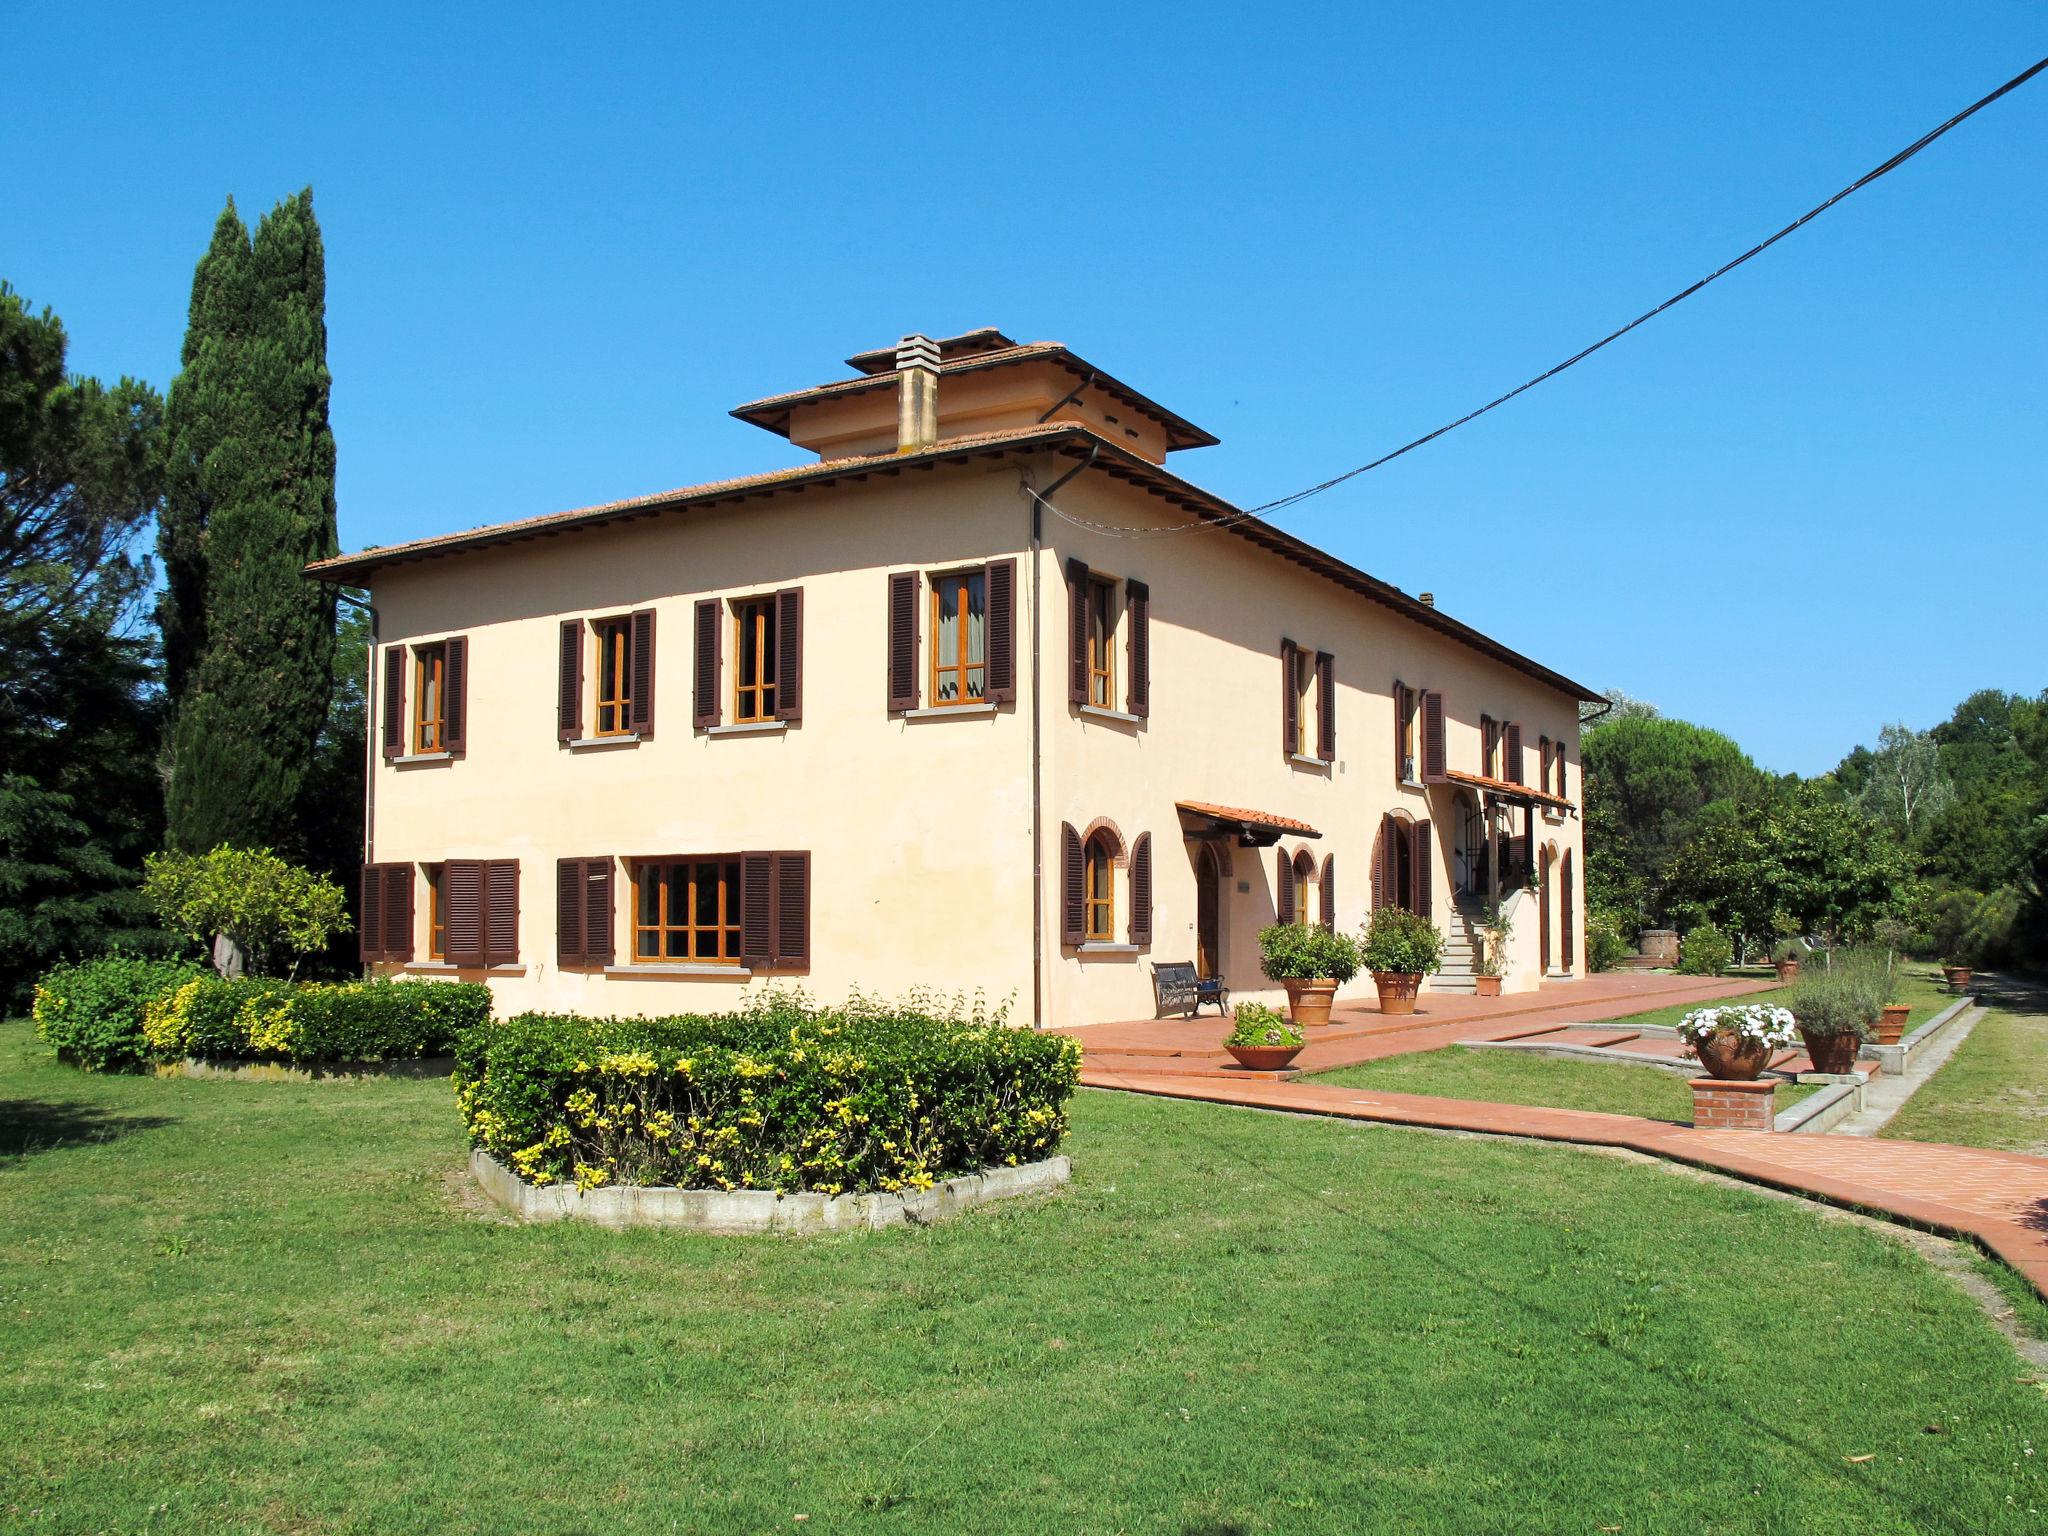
1719	1104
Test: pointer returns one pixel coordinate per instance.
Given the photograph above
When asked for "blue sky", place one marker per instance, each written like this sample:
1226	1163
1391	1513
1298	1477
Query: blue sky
564	241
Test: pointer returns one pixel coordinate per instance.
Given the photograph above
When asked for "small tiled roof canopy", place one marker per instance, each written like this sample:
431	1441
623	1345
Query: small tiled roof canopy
1072	439
1259	827
1507	789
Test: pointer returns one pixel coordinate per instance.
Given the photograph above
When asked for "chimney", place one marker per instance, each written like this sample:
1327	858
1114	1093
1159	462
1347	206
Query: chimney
917	400
1427	599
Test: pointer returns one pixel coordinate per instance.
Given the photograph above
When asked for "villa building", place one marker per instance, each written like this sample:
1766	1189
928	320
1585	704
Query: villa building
984	698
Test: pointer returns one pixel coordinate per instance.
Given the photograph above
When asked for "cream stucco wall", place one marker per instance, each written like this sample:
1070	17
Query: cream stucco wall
920	830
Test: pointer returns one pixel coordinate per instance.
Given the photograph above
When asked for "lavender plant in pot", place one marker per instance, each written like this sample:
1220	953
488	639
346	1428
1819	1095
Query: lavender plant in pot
1735	1041
1829	1008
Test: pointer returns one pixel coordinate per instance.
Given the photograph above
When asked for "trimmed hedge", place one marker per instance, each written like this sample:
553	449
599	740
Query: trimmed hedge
115	1014
778	1096
92	1011
257	1019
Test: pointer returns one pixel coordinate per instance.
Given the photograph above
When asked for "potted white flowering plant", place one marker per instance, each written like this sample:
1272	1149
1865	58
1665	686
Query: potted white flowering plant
1262	1040
1735	1040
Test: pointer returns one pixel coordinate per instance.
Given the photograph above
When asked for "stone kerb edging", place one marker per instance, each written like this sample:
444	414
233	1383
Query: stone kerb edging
316	1072
1897	1058
759	1211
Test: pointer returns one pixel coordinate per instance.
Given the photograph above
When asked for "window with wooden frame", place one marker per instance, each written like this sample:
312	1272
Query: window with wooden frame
1101	601
687	910
1489	747
614	712
1294	678
437	913
429	697
1099	909
959	629
754	660
1302	873
1407	705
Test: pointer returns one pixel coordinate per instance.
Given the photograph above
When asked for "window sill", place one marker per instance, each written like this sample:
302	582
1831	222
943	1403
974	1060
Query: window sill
443	968
1104	950
600	743
727	972
748	728
947	711
417	759
1117	716
1303	760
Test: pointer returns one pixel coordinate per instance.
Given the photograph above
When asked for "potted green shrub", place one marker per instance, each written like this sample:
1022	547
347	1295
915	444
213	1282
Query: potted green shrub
1311	962
1495	928
1956	974
1735	1041
1786	958
1262	1040
1829	1008
1400	949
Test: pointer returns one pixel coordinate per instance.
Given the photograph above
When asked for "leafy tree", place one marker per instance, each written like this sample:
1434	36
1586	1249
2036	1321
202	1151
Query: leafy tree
254	472
80	469
1648	783
250	905
1792	859
1905	784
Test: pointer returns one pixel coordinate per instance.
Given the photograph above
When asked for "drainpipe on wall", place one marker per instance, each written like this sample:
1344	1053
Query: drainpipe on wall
1038	737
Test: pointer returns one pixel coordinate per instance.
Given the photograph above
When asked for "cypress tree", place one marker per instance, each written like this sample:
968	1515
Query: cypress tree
256	692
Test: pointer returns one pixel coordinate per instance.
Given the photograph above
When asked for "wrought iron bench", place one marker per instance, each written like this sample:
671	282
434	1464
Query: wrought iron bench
1178	989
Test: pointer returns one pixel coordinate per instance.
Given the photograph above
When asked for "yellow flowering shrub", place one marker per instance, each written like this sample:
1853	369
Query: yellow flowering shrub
779	1095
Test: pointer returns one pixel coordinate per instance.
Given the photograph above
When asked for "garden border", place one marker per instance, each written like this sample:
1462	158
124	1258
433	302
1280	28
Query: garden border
1897	1058
755	1212
314	1072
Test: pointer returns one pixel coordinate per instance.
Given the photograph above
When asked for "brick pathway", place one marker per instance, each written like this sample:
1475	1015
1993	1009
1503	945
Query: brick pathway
1998	1198
1358	1031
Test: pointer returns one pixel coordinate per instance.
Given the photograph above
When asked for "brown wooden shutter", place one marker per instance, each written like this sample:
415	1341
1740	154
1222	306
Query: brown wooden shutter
1528	842
501	912
640	709
1283	887
1326	706
1512	737
1077	631
1138	619
704	664
1423	876
1564	911
789	654
1290	697
1073	887
1435	757
455	695
1400	727
1563	792
757	908
791	919
597	911
1379	863
394	700
462	911
370	915
1329	892
1543	763
569	924
1141	889
999	581
569	681
902	654
398	883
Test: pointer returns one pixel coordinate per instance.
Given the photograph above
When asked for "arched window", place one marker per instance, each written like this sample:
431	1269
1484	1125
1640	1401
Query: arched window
1099	882
1303	873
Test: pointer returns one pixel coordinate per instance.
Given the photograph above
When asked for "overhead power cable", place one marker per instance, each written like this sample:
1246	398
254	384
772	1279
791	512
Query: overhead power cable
1888	166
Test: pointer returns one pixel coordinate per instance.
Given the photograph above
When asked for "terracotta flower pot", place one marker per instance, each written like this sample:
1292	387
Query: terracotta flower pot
1891	1024
1489	986
1788	970
1958	975
1831	1053
1264	1058
1308	1002
1734	1058
1397	990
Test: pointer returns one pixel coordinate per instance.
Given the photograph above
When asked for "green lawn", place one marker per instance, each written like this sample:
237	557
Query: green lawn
1993	1092
1921	986
267	1307
1523	1077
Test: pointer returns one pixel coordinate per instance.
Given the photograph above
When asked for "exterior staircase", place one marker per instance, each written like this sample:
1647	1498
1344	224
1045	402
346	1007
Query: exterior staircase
1461	953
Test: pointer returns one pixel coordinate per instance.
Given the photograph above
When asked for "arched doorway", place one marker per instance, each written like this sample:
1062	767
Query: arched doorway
1208	913
1468	848
1567	920
1543	896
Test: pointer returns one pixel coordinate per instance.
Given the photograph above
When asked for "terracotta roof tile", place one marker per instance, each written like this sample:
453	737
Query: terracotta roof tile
1506	787
1249	818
